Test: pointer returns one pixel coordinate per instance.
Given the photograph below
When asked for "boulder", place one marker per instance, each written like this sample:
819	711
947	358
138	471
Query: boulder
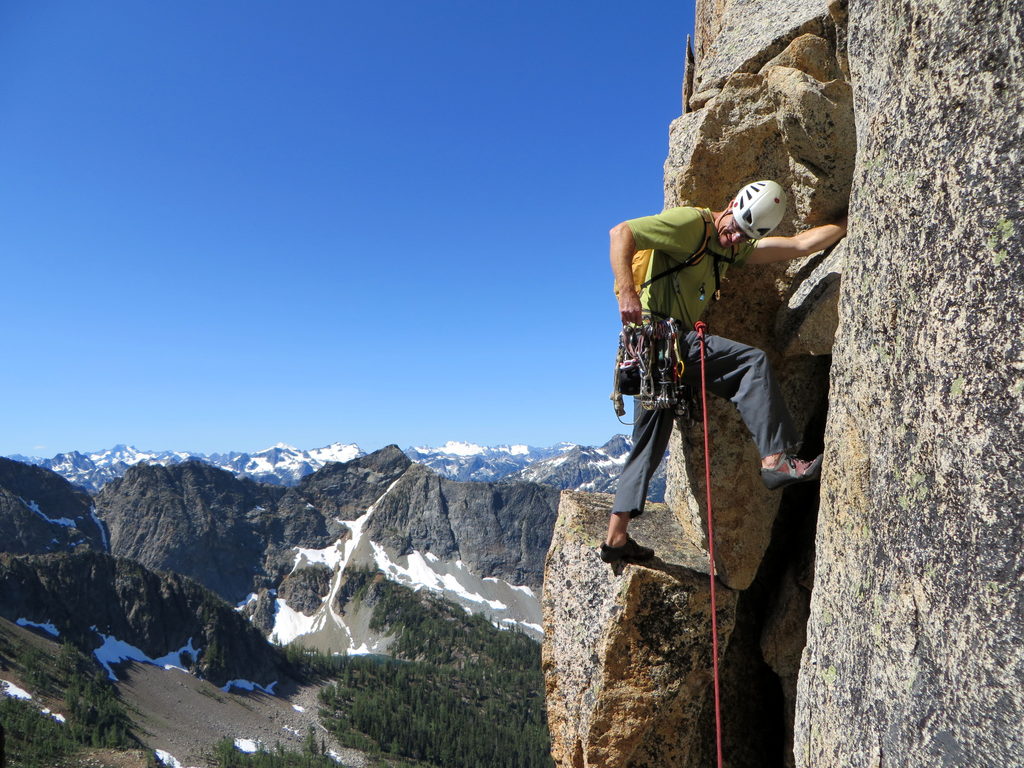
627	650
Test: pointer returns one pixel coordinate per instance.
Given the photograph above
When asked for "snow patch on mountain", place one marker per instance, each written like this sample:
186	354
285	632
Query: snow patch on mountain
505	605
61	521
101	526
114	651
46	626
336	452
10	690
249	685
331	556
452	448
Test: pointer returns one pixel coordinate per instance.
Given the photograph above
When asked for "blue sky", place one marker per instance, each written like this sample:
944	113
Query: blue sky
226	225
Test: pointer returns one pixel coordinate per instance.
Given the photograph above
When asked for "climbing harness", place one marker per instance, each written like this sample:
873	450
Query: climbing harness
649	365
701	329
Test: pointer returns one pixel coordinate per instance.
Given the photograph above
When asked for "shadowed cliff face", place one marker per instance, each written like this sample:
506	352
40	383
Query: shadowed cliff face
87	595
191	518
905	587
42	512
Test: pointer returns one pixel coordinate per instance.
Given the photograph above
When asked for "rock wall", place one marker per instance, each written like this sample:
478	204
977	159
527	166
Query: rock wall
883	628
914	654
770	101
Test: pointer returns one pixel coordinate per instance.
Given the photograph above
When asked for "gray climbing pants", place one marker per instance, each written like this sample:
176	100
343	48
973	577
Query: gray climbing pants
736	371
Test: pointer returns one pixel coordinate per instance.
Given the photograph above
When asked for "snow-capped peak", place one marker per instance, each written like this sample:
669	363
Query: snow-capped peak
284	464
336	452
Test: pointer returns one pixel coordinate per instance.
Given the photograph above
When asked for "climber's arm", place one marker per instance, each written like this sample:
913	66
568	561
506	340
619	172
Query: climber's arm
771	249
621	250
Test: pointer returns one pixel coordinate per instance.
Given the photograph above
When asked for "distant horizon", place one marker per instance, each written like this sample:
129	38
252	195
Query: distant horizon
281	444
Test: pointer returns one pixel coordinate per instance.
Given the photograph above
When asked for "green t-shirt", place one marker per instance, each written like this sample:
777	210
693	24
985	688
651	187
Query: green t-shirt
675	235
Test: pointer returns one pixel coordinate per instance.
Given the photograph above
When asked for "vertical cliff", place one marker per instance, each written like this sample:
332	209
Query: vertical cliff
628	653
899	352
915	653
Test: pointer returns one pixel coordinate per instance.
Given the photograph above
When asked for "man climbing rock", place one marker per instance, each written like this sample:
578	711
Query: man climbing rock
733	237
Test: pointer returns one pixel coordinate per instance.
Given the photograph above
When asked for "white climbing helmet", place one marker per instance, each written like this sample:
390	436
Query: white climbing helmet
758	208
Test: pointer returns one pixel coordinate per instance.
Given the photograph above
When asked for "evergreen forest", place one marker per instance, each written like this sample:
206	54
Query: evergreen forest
94	716
458	694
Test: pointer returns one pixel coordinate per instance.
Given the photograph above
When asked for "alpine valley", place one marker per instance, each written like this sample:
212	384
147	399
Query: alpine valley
227	599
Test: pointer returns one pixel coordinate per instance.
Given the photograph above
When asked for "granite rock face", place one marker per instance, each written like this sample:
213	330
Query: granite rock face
627	651
739	36
915	654
888	619
776	104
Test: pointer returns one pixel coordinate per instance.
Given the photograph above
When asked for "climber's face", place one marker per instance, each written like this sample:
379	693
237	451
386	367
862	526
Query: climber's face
729	233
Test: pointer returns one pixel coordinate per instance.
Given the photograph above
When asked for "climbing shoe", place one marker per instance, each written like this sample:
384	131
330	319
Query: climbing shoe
630	552
790	470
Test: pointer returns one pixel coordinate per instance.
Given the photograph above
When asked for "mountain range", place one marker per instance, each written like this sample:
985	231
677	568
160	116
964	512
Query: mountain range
191	567
564	466
209	565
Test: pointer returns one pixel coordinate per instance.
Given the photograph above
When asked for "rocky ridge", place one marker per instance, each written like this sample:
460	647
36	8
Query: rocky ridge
564	466
486	464
42	512
583	468
279	465
159	614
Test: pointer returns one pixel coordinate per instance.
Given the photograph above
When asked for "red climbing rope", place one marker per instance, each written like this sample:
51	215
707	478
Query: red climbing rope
701	328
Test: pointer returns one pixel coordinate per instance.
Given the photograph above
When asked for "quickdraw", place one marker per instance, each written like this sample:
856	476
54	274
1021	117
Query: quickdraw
649	365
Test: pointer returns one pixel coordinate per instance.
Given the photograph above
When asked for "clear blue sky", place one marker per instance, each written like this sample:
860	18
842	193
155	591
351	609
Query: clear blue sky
229	224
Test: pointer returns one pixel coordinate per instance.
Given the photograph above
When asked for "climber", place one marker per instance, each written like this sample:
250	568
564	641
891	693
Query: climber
735	236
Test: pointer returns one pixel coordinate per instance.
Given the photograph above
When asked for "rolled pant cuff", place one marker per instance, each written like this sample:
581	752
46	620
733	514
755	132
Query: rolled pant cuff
631	512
